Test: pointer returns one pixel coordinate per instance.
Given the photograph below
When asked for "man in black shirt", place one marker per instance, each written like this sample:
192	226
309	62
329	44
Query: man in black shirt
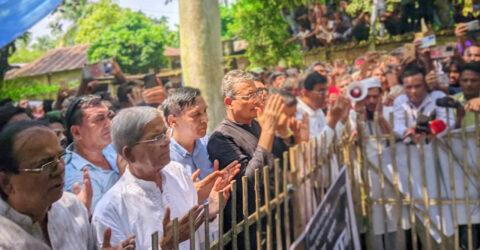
240	137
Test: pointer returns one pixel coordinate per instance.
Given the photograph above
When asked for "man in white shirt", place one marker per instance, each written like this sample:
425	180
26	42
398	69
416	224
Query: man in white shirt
416	100
34	211
152	187
313	102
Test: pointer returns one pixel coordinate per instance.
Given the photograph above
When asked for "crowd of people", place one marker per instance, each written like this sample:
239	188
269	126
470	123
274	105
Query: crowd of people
96	171
324	24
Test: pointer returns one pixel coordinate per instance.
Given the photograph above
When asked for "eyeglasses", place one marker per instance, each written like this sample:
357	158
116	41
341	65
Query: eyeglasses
161	139
256	94
48	167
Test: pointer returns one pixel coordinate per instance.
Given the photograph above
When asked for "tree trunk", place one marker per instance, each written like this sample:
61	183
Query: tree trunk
201	53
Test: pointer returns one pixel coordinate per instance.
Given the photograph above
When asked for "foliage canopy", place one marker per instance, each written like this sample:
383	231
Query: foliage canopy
260	23
134	41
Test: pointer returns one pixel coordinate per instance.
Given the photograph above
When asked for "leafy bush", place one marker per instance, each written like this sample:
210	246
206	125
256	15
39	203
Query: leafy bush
19	88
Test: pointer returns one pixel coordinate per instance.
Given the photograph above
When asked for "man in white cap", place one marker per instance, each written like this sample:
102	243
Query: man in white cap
370	104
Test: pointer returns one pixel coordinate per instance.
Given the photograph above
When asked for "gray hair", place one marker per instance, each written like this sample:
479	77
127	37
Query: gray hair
289	83
233	78
129	124
288	98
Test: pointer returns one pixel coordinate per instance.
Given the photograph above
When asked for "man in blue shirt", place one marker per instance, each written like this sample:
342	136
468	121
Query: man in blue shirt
88	123
186	114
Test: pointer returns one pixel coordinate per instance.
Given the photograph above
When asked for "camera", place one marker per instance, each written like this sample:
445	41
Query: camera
422	126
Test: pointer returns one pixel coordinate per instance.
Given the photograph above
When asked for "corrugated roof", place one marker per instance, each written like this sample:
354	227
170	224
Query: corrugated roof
63	59
56	60
170	52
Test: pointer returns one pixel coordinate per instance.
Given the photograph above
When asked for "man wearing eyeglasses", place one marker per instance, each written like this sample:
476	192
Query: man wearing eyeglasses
88	123
35	213
313	102
240	137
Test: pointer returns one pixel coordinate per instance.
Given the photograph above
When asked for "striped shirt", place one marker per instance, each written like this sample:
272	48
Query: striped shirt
68	227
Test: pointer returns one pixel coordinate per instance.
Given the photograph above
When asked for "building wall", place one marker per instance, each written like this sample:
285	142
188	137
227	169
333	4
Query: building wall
55	79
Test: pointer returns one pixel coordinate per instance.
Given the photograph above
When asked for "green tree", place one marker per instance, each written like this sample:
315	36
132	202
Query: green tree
67	14
226	19
98	18
135	41
260	23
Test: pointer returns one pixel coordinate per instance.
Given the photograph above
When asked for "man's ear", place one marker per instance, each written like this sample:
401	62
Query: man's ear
5	185
303	92
171	120
127	153
75	131
227	101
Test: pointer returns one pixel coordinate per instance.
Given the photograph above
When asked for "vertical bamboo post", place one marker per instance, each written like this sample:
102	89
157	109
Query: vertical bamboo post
297	227
456	238
257	207
278	222
176	239
380	171
439	188
267	206
155	241
207	227
221	217
465	185
192	228
400	239
410	188
365	181
233	184
426	212
286	199
245	212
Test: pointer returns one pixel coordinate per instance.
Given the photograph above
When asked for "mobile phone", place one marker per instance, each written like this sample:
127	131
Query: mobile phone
428	41
473	25
331	24
441	52
150	80
99	69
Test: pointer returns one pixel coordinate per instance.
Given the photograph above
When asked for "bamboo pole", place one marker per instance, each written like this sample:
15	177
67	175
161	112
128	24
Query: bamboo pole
233	184
266	190
155	241
175	234
286	200
245	212
465	186
207	227
278	231
257	208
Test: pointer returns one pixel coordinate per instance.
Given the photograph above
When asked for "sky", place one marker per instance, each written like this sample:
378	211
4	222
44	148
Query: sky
153	8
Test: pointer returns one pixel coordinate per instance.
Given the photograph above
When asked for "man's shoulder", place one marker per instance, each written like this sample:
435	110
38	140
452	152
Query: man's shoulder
403	98
436	94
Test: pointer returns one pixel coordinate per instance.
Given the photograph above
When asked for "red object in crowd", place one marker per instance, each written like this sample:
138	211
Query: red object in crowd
280	68
437	126
333	90
359	61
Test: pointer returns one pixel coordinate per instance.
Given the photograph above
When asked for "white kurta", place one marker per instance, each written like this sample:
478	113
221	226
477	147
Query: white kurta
68	227
135	206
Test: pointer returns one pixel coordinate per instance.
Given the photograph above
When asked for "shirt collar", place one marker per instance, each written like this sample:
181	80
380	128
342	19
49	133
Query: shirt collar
307	109
143	184
78	162
24	221
175	146
426	101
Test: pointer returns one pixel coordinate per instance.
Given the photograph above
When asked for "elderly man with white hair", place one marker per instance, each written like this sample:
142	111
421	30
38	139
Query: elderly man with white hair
153	188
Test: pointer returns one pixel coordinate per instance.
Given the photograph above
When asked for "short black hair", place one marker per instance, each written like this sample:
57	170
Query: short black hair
74	114
288	98
472	66
313	79
411	69
8	162
178	100
8	111
50	119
